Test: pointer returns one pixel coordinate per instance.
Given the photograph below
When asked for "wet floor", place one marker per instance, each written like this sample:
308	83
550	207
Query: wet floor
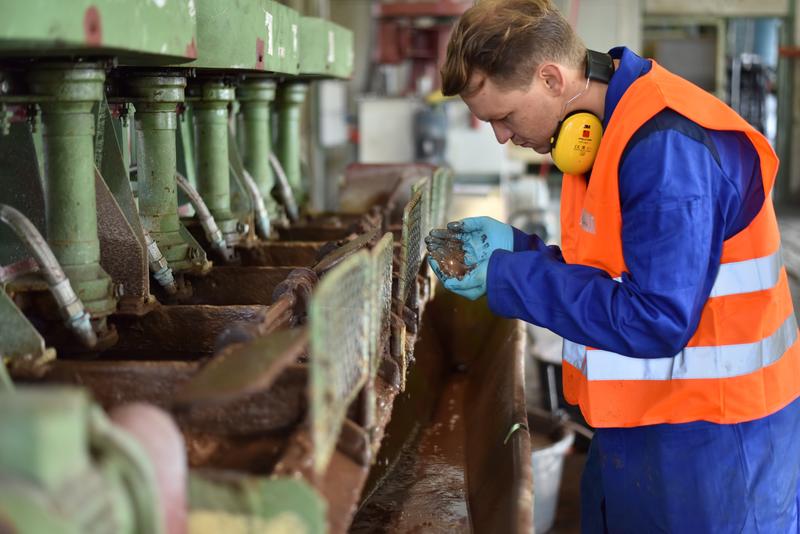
426	490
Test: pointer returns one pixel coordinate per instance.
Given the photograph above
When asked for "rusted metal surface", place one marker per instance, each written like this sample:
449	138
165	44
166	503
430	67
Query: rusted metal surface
114	383
348	249
492	350
427	488
22	188
181	332
236	285
345	478
245	368
280	253
460	460
121	254
280	314
119	382
252	455
18	269
296	291
500	493
276	410
323	233
340	485
385	185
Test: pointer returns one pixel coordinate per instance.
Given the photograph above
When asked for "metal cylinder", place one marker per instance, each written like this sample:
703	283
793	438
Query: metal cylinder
68	142
290	101
68	93
256	97
213	178
156	99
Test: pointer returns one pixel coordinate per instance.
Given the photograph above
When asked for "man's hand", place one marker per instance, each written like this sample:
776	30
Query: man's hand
473	285
479	236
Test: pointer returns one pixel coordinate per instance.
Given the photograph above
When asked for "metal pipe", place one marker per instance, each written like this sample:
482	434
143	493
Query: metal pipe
283	190
68	94
158	265
210	228
213	178
290	101
156	99
256	96
69	305
261	214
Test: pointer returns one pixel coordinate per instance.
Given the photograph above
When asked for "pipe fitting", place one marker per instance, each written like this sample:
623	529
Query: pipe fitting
283	190
159	266
70	306
260	209
213	233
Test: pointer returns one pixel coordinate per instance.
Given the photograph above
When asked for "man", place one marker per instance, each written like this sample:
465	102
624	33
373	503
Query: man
680	338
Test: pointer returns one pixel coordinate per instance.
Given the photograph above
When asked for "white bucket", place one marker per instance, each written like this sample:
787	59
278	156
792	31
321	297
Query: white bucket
548	464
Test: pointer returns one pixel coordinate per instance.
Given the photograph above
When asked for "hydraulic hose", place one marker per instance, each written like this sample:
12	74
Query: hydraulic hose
69	305
159	266
262	217
284	191
210	228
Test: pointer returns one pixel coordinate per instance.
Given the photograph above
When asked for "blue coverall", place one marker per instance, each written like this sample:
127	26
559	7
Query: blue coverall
683	191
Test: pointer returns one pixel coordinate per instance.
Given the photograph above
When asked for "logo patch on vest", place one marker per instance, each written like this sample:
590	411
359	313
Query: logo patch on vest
587	222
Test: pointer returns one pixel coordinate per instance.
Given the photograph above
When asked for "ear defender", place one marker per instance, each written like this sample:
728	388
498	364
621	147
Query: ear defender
576	141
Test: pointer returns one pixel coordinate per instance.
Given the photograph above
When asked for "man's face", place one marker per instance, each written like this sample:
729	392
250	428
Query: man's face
528	117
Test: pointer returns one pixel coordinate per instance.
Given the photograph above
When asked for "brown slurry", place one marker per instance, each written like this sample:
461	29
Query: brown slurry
426	490
451	260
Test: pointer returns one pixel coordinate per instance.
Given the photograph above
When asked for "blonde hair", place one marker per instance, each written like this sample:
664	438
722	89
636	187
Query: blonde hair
507	40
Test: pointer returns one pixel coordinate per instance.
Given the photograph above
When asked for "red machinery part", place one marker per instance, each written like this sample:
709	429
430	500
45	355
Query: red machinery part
159	436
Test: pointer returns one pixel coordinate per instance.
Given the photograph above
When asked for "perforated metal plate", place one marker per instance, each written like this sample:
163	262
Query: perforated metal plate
379	317
424	186
440	196
411	245
448	196
339	356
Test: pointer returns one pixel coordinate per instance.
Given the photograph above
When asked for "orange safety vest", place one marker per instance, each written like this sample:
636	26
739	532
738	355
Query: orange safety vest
743	361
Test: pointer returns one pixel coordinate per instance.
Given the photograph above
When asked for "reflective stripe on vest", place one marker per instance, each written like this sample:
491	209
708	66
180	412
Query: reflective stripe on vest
723	361
720	361
748	275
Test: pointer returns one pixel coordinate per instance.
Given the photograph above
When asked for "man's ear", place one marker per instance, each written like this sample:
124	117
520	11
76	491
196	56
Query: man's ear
552	78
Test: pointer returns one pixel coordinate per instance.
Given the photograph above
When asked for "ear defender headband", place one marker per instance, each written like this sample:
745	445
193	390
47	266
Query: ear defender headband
576	140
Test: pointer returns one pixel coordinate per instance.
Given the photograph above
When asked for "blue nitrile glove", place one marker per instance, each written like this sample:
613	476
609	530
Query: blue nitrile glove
480	237
435	266
473	285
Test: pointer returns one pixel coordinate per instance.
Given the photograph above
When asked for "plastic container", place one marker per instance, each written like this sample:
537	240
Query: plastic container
550	442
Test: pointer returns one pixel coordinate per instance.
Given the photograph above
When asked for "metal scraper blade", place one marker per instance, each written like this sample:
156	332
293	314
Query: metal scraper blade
244	368
345	251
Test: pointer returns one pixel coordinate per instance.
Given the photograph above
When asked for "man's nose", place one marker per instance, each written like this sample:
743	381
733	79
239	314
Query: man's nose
502	133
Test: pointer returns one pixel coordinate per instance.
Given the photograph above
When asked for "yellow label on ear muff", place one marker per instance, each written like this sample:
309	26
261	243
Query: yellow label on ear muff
576	142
